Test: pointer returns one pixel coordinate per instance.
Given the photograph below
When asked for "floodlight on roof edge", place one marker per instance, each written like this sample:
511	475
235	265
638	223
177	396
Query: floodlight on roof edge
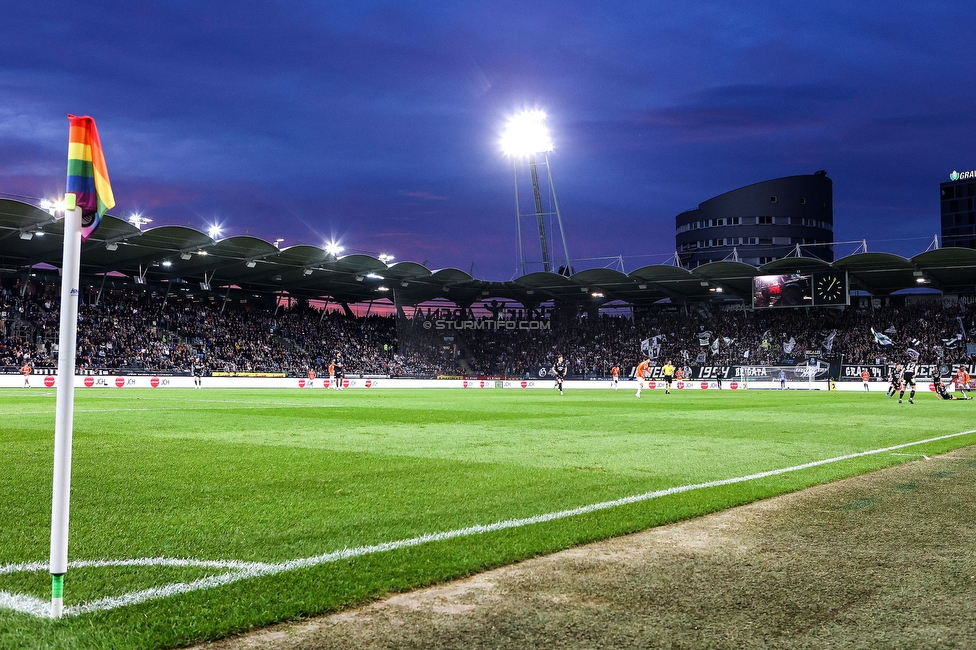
526	135
53	208
333	248
138	220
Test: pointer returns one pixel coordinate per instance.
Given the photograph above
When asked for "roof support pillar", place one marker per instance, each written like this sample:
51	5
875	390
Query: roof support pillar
226	298
169	285
102	286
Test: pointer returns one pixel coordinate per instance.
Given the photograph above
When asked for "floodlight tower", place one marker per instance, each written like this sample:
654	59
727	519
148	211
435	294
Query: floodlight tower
525	137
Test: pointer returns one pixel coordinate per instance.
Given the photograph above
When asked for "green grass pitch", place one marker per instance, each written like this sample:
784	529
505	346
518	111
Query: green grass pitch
268	476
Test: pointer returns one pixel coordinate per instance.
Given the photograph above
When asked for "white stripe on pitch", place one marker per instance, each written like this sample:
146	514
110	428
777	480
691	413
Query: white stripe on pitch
246	570
25	604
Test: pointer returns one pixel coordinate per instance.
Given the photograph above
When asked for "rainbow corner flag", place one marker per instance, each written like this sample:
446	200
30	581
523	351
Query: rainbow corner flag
88	186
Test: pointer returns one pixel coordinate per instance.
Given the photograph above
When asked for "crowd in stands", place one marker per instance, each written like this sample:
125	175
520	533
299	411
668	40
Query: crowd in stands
707	336
144	331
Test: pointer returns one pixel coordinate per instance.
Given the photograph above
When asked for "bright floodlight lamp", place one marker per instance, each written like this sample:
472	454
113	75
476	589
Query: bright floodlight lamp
138	220
333	248
525	136
53	208
214	231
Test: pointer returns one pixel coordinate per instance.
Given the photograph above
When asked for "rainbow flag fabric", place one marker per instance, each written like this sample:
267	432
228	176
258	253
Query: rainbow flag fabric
88	185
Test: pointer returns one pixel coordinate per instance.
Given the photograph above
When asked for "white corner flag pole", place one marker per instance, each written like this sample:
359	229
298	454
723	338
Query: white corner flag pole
65	406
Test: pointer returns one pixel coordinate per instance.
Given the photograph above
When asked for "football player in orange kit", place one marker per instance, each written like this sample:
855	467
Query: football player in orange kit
643	369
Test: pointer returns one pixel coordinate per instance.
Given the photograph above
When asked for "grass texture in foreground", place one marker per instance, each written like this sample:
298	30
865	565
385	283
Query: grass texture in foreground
271	476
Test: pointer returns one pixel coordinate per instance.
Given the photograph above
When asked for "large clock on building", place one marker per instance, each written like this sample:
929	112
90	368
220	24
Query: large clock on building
830	288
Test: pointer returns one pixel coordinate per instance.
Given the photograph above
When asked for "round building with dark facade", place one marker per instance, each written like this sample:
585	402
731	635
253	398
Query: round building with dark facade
760	223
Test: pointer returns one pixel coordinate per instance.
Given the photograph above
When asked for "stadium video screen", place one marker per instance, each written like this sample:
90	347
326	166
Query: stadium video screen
789	290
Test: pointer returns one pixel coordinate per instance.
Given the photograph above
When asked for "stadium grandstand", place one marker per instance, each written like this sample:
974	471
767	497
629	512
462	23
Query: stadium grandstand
161	299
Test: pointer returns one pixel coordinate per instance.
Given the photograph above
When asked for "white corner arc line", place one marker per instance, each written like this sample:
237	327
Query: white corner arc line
25	604
239	570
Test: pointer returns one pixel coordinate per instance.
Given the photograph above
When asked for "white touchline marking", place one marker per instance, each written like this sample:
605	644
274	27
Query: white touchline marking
238	570
241	405
276	405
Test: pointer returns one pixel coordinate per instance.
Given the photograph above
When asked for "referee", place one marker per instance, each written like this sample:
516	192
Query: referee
668	372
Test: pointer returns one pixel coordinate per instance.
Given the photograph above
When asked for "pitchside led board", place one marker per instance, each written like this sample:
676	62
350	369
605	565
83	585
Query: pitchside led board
821	289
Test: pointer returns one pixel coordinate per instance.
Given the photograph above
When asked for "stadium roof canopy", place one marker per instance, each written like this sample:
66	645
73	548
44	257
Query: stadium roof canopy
31	236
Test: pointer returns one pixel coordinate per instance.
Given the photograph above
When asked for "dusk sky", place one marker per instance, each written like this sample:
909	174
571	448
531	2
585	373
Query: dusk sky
378	123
